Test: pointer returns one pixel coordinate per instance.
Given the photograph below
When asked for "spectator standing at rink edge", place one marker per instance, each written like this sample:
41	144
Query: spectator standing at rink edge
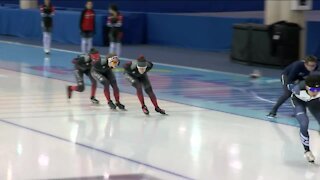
87	27
114	23
47	11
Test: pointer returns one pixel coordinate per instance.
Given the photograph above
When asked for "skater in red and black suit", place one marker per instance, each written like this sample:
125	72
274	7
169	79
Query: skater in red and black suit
87	27
136	73
102	72
82	66
47	12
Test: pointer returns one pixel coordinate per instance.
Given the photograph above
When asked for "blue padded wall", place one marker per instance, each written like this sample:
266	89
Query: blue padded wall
197	32
169	5
26	23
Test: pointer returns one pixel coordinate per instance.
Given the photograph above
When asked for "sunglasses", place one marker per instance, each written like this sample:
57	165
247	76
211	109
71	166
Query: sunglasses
314	89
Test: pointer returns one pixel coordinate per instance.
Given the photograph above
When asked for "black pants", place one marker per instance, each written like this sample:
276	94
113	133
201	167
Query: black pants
106	79
80	82
47	24
87	34
115	35
285	96
139	82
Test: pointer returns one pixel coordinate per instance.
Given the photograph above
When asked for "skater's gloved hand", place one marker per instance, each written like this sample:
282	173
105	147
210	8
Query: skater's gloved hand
114	20
294	88
74	61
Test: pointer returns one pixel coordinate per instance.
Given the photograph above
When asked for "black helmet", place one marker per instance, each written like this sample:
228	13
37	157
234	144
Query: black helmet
94	54
313	81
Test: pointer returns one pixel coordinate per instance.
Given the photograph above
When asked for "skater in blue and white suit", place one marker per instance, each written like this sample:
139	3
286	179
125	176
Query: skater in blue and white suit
306	95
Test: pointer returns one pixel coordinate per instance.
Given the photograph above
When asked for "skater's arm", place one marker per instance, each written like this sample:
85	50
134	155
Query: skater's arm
293	74
109	24
81	19
75	61
296	88
94	22
149	66
42	10
52	11
118	21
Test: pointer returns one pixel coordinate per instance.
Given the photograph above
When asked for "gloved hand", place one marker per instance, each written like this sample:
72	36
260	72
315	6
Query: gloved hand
114	20
129	78
47	11
295	89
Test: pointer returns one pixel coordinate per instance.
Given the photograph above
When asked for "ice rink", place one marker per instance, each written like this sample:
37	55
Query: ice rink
215	128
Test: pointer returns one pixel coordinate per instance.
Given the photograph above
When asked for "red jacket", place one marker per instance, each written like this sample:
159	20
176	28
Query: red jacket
87	20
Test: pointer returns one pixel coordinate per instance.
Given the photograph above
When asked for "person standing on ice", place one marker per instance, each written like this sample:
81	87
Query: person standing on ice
114	23
87	27
47	12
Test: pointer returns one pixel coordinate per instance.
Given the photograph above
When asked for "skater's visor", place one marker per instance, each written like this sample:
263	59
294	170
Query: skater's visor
143	67
114	60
